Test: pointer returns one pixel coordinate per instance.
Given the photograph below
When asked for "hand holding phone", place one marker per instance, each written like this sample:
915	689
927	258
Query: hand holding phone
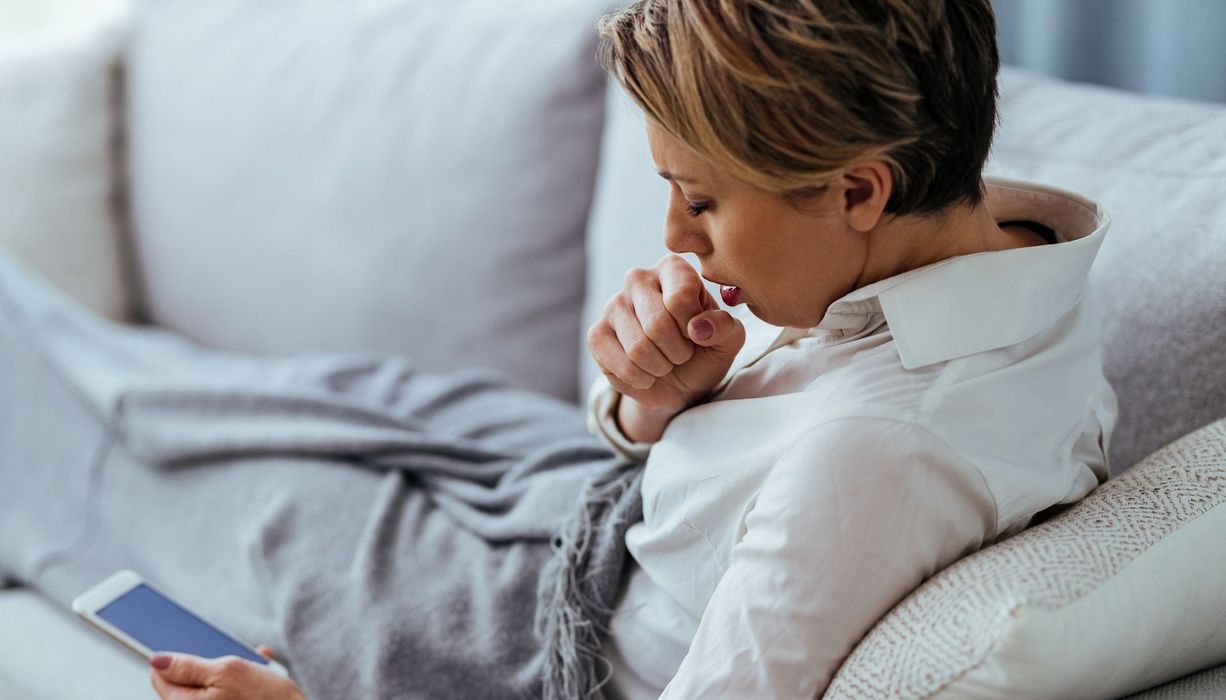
185	651
180	676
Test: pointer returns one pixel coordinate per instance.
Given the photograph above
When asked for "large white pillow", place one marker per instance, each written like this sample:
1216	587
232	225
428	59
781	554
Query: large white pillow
1118	593
408	176
59	179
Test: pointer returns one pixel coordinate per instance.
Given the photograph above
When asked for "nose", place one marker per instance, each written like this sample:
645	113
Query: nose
682	234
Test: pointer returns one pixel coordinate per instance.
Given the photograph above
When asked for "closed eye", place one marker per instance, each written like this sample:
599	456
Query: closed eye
696	209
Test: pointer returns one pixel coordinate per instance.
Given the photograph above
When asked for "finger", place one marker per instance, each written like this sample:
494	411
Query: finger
635	343
630	325
618	385
682	290
182	669
660	326
232	673
623	374
169	691
267	652
727	334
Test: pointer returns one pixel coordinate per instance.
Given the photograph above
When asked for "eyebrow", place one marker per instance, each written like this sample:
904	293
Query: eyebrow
677	178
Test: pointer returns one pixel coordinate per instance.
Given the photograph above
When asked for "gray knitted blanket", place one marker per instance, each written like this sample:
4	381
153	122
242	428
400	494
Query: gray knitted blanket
490	558
550	520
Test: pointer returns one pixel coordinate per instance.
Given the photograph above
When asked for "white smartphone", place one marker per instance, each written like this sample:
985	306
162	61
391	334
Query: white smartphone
136	615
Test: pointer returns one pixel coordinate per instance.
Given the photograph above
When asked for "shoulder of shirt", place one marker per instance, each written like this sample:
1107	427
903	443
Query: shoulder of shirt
874	441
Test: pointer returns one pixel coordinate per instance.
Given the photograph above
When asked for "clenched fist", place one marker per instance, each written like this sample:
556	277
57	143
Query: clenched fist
663	343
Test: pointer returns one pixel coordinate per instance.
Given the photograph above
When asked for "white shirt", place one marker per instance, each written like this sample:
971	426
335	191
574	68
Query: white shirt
836	467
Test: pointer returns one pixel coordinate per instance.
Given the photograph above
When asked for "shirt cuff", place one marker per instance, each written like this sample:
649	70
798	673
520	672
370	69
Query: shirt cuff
601	421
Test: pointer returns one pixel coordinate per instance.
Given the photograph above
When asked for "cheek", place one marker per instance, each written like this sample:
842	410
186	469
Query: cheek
820	262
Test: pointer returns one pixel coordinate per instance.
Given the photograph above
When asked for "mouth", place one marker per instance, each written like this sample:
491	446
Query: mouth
730	293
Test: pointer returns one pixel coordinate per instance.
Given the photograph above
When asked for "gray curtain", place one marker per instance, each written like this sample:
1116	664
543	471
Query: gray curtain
1163	47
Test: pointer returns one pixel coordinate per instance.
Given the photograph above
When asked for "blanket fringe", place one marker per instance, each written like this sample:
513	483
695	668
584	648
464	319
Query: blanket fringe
575	596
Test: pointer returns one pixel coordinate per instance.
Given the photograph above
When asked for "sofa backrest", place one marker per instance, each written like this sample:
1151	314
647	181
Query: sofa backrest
1159	168
410	177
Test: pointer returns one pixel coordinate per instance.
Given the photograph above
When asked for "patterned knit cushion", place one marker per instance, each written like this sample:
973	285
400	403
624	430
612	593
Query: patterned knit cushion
1117	593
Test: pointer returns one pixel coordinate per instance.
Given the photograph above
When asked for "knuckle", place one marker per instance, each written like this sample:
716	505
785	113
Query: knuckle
645	382
685	354
675	299
633	379
230	666
671	259
660	327
640	351
616	382
636	275
595	332
623	299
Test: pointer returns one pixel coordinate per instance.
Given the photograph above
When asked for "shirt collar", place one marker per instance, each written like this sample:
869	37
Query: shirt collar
984	301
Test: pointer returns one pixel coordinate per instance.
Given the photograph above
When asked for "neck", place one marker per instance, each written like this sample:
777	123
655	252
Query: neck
899	244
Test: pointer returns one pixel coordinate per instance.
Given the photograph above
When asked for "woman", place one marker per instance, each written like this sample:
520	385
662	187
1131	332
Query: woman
920	374
935	385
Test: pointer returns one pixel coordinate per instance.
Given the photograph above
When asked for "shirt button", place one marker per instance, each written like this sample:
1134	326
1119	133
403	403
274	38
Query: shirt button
838	333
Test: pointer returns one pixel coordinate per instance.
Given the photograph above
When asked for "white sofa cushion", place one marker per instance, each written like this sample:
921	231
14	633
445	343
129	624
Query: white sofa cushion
58	174
1118	593
56	656
409	177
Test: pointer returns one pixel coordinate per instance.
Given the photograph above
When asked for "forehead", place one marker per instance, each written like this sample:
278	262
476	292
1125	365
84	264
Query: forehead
676	160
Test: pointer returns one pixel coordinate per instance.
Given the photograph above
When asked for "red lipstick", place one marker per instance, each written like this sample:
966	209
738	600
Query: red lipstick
730	293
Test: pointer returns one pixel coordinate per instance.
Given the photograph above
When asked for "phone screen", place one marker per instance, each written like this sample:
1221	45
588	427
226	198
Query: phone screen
162	625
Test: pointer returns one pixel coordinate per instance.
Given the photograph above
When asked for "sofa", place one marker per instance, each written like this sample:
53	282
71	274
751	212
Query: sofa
458	183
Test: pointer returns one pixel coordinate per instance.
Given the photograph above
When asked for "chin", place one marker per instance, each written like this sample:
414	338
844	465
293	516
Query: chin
760	313
767	317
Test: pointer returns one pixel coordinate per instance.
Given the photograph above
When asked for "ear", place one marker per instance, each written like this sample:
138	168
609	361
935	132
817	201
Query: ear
867	188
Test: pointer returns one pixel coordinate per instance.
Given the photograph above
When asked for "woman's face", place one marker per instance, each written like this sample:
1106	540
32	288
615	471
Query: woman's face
790	259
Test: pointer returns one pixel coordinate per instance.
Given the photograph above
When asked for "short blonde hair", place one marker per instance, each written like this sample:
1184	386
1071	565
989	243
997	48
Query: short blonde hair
784	94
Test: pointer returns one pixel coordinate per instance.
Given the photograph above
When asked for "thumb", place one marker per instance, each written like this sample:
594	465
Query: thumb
718	330
181	669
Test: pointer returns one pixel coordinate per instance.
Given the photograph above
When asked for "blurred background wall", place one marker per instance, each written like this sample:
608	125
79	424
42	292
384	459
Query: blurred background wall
22	16
1162	47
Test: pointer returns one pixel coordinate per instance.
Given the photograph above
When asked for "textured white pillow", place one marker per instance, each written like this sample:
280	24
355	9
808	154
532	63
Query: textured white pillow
58	175
1118	593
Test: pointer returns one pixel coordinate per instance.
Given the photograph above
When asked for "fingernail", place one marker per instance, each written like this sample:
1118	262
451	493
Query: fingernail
703	329
161	661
